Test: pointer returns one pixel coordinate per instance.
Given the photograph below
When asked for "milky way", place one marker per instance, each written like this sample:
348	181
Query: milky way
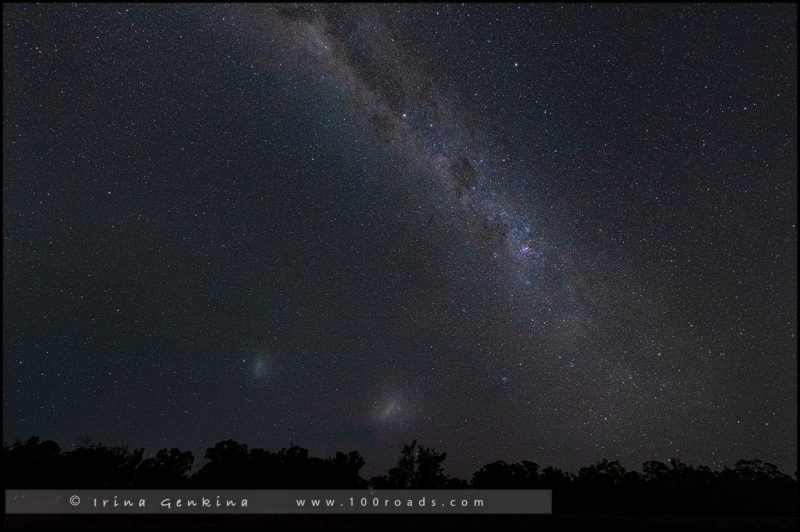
557	233
535	270
469	172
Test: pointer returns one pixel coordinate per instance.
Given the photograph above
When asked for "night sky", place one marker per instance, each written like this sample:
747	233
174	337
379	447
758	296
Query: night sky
548	232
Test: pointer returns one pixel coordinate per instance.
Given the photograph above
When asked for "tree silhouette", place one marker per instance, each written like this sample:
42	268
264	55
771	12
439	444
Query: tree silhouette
751	487
228	467
231	465
418	467
33	464
654	470
169	469
500	475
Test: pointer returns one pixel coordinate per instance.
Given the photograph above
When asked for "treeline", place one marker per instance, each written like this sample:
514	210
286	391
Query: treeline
751	487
